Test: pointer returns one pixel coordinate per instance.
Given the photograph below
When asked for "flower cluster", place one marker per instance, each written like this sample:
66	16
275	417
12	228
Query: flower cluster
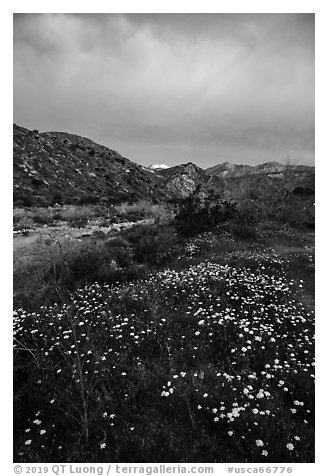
225	349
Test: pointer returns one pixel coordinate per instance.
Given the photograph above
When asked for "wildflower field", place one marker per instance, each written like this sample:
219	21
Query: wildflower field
208	360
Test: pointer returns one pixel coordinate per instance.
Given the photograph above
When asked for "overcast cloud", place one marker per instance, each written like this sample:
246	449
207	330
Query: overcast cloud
171	88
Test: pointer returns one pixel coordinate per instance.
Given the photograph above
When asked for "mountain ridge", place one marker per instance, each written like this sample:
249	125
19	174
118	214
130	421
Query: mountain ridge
59	167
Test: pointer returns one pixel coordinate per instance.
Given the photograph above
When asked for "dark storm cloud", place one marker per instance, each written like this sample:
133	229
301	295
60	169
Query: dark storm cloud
171	87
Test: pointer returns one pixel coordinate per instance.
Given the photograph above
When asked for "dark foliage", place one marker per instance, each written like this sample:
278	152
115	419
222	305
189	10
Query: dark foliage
198	214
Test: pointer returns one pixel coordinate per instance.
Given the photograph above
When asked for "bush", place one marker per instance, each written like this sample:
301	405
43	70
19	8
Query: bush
43	216
248	216
22	219
76	216
40	215
151	243
54	269
296	212
144	209
20	214
198	214
57	199
121	250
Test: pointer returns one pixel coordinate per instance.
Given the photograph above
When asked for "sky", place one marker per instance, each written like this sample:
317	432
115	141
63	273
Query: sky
171	88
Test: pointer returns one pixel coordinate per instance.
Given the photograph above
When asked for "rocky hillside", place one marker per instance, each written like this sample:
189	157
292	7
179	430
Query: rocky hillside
271	169
56	167
184	179
298	183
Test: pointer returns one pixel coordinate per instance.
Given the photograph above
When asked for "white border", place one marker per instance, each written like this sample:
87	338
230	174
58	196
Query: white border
160	6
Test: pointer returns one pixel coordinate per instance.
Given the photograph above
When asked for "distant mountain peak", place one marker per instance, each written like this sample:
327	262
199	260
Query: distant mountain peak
159	166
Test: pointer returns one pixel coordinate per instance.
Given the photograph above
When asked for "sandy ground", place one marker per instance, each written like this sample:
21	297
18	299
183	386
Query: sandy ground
64	232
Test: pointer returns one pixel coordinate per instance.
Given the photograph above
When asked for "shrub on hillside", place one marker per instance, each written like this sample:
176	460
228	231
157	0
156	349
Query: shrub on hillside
144	209
248	216
202	213
43	215
296	211
151	243
75	215
121	250
20	214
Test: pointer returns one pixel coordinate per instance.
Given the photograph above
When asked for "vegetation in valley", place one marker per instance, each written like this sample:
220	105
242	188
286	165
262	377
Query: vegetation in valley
184	339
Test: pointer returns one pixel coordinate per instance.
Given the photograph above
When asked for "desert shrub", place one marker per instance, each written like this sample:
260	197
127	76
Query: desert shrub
248	216
198	214
22	219
96	260
296	211
43	216
89	199
73	146
99	235
144	209
36	277
162	213
146	248
24	225
132	212
37	182
26	200
20	214
121	250
57	199
151	243
76	215
120	160
310	223
55	268
91	262
114	220
99	261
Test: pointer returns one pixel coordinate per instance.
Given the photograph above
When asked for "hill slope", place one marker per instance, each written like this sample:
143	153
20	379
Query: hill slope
274	169
184	179
55	167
